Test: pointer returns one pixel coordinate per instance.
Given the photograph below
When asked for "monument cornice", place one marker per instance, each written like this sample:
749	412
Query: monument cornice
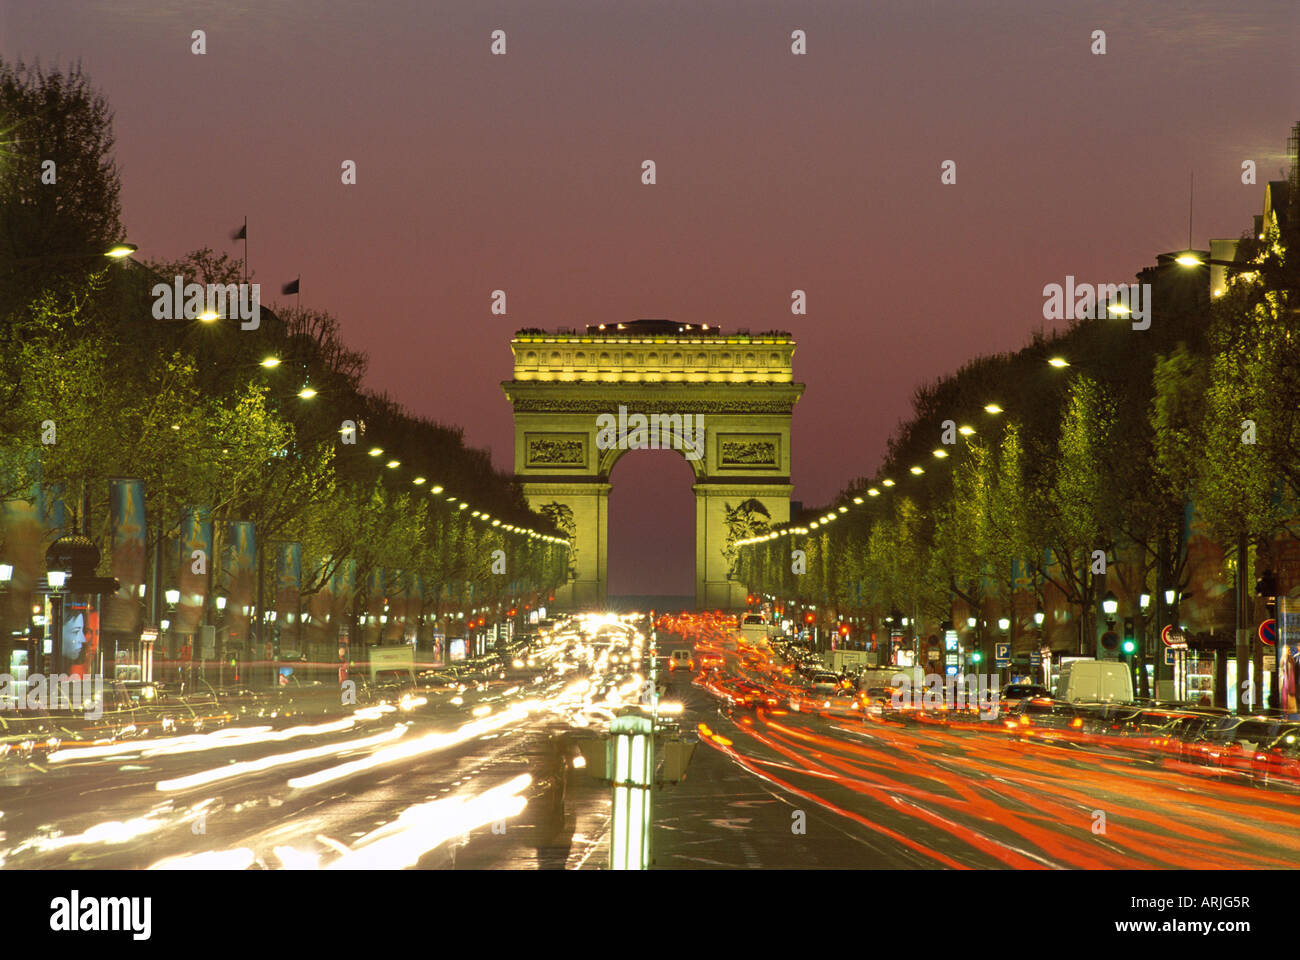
528	396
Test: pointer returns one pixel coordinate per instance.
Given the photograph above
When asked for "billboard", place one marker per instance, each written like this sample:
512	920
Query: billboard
124	612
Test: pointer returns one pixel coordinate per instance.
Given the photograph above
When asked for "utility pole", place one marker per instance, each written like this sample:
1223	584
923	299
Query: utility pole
1245	694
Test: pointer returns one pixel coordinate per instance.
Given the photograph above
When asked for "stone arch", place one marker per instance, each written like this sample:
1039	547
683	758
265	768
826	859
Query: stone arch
741	479
607	459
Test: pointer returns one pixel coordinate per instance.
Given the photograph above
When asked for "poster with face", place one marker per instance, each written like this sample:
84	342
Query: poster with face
1287	675
1288	653
80	641
74	636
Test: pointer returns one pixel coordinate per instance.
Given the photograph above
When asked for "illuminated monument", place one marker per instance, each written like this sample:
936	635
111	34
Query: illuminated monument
568	383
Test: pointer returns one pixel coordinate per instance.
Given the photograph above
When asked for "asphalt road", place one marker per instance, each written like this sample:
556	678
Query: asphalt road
333	791
484	778
776	788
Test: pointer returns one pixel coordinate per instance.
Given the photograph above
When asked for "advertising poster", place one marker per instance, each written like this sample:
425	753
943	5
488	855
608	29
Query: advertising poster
124	612
321	605
288	584
194	548
241	571
79	645
54	510
1288	654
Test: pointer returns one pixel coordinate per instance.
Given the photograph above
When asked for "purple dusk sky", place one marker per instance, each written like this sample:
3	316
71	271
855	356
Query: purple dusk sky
775	172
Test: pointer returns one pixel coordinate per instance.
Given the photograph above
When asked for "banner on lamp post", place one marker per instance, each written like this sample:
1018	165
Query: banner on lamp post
241	573
124	612
194	553
288	586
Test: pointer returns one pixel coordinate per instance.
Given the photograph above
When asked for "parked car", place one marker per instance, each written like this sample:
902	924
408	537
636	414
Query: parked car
1015	693
825	684
1278	764
1040	718
1232	742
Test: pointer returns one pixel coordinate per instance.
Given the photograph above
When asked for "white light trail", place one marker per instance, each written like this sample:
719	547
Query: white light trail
243	768
429	743
426	826
241	858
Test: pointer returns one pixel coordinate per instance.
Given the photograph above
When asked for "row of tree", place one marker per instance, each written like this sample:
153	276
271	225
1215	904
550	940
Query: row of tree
270	425
1153	457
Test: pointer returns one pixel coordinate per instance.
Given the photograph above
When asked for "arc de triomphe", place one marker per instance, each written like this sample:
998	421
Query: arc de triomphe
723	400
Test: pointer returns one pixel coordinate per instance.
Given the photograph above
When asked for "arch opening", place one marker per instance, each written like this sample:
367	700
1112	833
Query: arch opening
652	528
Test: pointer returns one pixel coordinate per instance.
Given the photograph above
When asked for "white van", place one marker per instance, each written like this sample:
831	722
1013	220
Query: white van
1095	681
682	659
753	627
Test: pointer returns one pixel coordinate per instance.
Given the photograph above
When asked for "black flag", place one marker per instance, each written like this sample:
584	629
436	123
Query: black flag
240	234
291	287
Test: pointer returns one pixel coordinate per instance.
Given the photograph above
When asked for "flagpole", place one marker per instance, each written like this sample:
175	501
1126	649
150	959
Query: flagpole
245	250
297	294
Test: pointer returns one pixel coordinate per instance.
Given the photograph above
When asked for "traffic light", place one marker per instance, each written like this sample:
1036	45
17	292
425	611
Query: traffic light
976	656
1130	643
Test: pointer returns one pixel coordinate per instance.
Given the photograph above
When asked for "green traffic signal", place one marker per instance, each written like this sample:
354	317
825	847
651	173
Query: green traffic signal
976	657
1129	646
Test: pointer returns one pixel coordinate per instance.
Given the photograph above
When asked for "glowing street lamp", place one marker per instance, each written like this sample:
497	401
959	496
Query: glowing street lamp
992	408
631	746
121	250
271	362
1059	362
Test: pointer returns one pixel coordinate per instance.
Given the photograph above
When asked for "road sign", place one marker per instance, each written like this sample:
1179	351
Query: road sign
1002	654
1268	632
1110	639
1171	656
1172	637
